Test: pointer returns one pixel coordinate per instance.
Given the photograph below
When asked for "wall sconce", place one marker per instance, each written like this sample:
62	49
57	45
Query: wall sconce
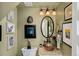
41	12
47	12
54	12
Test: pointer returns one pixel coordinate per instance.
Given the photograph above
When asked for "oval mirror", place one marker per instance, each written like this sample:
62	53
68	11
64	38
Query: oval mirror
47	26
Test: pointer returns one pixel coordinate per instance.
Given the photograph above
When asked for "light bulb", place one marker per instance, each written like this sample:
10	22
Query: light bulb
54	13
41	13
47	13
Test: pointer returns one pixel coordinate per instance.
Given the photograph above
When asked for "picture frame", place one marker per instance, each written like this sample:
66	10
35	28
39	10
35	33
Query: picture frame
68	12
10	15
10	27
0	32
67	33
30	31
10	39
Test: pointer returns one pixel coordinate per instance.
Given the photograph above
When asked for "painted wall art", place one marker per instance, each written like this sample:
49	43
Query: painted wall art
67	33
10	27
10	15
0	32
30	31
10	41
68	12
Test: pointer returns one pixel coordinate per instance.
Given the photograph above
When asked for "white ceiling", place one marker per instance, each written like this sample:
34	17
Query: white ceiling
41	4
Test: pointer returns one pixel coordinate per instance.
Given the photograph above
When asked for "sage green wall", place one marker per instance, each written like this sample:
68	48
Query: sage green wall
60	15
23	13
4	51
5	7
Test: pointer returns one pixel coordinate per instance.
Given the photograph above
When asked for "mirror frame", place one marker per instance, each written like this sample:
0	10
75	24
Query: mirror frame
52	24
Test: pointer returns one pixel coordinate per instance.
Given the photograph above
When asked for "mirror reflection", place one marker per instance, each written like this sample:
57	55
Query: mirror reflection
47	26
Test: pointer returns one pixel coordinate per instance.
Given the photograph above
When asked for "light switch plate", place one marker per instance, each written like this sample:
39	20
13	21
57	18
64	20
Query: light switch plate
77	24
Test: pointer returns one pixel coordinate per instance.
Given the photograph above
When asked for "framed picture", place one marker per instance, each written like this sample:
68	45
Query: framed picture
0	32
10	27
10	15
10	41
68	12
67	33
30	31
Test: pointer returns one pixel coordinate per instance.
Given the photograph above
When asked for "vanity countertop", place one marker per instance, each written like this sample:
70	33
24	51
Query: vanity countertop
43	52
